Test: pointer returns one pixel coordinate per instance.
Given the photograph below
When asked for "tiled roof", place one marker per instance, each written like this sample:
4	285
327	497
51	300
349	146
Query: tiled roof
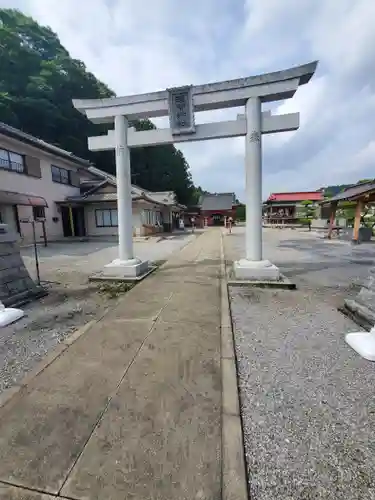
296	196
217	201
98	197
103	175
94	197
167	198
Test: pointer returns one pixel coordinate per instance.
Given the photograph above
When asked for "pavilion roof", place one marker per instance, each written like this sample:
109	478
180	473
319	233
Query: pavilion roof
354	192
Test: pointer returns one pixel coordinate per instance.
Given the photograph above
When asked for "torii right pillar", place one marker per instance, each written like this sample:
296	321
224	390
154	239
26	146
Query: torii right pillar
253	267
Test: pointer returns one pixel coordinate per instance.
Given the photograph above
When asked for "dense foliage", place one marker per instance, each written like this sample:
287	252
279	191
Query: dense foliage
241	212
38	81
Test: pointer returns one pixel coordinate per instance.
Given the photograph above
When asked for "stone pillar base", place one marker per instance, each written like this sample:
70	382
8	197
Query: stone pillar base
126	269
261	270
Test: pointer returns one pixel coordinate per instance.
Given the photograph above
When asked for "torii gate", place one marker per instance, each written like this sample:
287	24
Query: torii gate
181	104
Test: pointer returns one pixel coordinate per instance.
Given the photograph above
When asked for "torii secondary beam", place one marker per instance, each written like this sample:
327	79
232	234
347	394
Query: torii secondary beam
217	130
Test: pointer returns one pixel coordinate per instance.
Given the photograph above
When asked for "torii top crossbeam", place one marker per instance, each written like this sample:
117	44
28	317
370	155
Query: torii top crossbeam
275	86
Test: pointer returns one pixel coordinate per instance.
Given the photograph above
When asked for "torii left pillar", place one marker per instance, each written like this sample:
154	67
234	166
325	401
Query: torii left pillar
253	267
126	265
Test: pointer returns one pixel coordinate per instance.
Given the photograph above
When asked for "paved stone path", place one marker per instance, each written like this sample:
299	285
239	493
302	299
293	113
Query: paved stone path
132	409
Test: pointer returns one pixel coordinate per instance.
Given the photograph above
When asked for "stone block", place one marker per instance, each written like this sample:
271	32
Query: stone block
362	307
119	269
255	270
16	286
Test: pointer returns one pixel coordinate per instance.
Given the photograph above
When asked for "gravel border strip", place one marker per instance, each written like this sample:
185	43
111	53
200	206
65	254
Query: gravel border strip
234	480
8	394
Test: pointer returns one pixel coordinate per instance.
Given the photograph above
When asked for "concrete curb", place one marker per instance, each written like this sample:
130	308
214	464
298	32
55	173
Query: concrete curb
234	481
8	394
100	277
283	284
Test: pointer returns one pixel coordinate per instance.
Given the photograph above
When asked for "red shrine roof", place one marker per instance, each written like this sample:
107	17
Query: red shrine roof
297	196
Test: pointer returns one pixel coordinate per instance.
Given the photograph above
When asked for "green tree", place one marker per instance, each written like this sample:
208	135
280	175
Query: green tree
198	192
346	210
307	213
365	181
38	81
241	212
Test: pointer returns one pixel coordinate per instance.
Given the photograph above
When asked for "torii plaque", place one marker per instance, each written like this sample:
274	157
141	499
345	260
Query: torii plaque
181	104
181	110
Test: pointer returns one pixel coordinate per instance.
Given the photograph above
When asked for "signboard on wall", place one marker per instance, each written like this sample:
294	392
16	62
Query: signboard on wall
181	110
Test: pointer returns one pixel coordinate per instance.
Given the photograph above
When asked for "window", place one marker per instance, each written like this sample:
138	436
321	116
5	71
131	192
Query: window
11	161
106	218
148	217
38	213
114	220
159	218
60	175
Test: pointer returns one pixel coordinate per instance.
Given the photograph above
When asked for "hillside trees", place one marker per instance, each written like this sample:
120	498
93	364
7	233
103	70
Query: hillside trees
38	81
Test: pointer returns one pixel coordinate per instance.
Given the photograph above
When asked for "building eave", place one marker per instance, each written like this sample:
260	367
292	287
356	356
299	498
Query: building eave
15	198
19	135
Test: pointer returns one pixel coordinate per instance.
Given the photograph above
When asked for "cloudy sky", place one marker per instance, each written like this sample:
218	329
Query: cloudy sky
145	45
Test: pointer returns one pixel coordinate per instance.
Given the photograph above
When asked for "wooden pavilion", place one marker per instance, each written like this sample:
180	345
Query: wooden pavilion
362	194
285	208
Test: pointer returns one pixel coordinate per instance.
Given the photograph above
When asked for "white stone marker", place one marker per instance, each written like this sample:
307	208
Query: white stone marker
363	343
9	315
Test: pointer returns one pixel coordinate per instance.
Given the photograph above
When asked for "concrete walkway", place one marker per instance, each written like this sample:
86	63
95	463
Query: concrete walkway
132	408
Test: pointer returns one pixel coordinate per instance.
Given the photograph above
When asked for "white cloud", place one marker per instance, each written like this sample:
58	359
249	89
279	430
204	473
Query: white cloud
343	35
136	46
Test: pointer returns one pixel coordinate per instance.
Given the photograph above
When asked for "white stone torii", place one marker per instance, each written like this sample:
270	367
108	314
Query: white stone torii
181	104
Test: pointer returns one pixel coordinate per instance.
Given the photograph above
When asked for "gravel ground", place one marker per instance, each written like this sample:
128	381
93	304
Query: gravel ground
306	398
47	322
71	301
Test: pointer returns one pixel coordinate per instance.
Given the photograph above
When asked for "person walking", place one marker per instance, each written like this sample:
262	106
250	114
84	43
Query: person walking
229	224
192	220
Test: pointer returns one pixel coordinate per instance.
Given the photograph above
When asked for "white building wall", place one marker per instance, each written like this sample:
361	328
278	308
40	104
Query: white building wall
91	228
137	219
90	219
45	187
54	192
166	215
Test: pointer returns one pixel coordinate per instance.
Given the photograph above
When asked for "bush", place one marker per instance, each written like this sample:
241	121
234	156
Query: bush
305	222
